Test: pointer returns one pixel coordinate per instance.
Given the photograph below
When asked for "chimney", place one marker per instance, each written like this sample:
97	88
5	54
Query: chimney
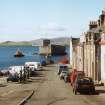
99	23
93	24
102	18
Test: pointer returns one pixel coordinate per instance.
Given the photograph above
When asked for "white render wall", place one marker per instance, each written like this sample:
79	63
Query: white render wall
103	62
45	50
71	51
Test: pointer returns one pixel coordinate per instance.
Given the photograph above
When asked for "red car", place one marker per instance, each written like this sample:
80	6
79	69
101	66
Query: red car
74	74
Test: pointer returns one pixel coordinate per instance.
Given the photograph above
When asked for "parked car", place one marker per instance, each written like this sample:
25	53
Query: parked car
13	78
43	63
33	65
67	77
84	84
75	74
14	73
62	67
63	73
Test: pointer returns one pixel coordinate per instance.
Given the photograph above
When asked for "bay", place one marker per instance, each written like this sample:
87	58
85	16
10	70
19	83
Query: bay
7	59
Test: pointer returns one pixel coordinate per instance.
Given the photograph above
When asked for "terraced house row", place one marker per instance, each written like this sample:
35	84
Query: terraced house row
89	54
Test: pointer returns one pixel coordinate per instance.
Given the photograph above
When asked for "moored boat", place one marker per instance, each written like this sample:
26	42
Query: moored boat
18	54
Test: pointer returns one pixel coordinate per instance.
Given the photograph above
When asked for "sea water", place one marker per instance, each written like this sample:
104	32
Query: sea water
7	56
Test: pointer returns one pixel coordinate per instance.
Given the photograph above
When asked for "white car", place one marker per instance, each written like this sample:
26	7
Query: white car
62	67
15	69
34	65
62	74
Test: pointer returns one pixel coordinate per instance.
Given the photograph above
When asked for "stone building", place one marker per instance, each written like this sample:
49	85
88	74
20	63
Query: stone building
80	54
89	54
73	51
47	47
92	52
93	49
102	44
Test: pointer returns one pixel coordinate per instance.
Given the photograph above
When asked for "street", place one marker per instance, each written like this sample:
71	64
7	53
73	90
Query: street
53	91
48	90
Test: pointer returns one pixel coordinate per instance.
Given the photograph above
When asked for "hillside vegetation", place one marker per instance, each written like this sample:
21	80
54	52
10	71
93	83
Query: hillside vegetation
10	43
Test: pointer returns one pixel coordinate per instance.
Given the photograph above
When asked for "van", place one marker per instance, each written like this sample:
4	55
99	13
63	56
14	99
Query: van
33	65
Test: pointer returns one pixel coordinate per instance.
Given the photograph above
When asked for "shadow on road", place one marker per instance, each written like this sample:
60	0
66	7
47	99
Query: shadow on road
100	92
45	70
2	85
97	92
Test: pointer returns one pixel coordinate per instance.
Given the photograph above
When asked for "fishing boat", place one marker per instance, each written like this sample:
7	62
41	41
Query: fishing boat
18	54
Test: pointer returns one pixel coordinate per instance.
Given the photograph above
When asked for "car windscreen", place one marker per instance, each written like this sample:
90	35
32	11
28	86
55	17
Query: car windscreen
85	80
61	67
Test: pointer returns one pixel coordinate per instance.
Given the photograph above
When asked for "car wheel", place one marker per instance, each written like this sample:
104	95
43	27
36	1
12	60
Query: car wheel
65	81
7	79
93	90
75	91
60	78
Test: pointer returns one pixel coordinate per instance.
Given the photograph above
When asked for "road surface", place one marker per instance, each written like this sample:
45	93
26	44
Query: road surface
50	90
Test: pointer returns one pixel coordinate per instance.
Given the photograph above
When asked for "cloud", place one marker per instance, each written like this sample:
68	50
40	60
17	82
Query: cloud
51	30
52	27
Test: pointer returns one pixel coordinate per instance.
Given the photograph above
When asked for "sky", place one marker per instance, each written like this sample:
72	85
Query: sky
33	19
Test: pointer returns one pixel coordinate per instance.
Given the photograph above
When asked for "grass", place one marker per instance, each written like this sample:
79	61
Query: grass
9	43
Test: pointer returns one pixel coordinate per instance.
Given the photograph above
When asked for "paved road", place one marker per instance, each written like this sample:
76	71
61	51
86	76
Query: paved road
13	93
53	91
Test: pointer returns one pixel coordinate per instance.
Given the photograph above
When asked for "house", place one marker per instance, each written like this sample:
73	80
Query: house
48	47
73	51
80	54
45	47
102	44
91	52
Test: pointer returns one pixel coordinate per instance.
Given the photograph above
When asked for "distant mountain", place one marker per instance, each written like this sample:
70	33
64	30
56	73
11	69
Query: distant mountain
58	41
61	41
12	43
38	42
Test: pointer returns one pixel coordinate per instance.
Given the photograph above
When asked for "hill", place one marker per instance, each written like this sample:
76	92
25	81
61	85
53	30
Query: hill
38	42
59	41
11	43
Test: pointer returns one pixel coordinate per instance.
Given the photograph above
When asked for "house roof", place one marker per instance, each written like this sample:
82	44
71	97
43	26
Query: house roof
97	30
94	30
103	29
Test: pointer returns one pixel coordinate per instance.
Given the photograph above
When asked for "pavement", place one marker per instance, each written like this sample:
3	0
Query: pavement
48	90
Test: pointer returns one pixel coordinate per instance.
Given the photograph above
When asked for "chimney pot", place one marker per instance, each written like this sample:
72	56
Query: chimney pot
93	24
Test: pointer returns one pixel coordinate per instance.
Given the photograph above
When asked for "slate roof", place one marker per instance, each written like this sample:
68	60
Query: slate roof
97	30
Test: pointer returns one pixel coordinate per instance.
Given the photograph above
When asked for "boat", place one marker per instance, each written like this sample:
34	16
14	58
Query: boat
18	54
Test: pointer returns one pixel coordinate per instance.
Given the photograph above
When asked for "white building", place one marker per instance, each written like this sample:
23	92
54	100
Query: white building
103	57
73	45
